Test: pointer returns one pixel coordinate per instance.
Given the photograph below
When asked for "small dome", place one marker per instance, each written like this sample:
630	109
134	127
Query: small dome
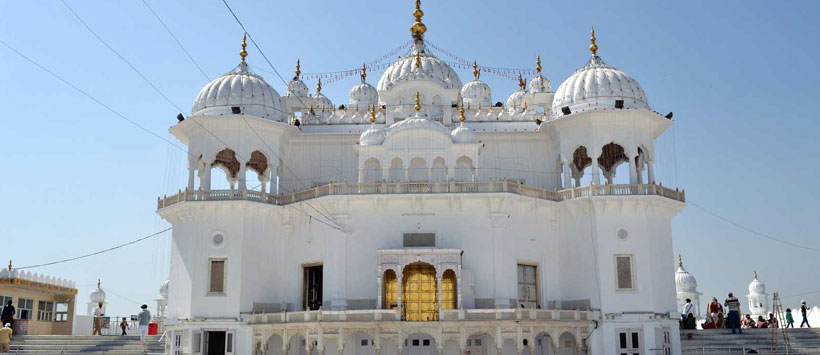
477	92
519	99
539	84
239	88
684	281
432	69
163	289
321	102
363	94
418	122
372	136
756	287
463	135
598	85
97	295
297	88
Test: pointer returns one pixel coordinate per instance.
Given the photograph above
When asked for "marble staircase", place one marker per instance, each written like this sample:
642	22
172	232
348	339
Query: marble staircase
722	341
85	344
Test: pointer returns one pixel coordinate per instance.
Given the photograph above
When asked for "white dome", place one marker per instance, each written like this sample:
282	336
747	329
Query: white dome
297	88
684	281
417	122
163	289
539	84
476	92
518	100
363	94
432	69
239	88
321	102
372	136
463	135
756	287
598	85
97	295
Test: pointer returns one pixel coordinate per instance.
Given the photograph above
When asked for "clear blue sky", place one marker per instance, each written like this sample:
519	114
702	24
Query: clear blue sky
740	76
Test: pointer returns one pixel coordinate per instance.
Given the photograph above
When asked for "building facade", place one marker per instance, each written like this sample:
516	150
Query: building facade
44	305
421	219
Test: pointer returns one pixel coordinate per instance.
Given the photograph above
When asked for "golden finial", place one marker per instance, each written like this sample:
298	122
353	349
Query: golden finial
755	274
417	29
244	54
323	109
680	260
9	264
373	114
98	283
357	107
319	86
461	116
476	73
418	60
479	106
417	107
538	66
298	72
521	83
364	71
593	47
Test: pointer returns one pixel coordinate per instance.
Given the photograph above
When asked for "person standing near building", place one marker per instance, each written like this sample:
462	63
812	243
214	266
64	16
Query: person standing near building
804	310
5	338
98	314
714	307
687	308
789	318
8	314
144	319
733	305
123	325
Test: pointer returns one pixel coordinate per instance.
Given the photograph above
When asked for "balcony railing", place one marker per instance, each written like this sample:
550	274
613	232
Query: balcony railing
378	315
343	188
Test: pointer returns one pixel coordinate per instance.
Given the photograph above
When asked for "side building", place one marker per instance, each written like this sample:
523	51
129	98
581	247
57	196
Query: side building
44	305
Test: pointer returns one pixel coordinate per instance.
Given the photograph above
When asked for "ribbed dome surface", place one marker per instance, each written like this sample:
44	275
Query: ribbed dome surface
476	92
432	69
372	136
598	85
419	122
539	84
97	296
463	135
518	99
297	88
684	281
363	94
239	88
321	103
756	287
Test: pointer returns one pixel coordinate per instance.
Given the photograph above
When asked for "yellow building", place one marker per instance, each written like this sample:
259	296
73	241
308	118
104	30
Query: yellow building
44	305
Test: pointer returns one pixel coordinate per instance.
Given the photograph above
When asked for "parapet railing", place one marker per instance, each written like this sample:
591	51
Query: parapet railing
502	186
377	315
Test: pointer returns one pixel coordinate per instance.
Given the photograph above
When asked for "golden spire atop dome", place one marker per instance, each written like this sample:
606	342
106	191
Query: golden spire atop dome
538	65
364	71
593	47
417	29
476	73
373	114
319	86
521	83
461	113
298	71
417	107
680	260
243	53
755	274
98	283
418	60
9	264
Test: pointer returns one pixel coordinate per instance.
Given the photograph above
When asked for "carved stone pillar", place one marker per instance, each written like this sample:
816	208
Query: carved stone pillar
595	171
241	176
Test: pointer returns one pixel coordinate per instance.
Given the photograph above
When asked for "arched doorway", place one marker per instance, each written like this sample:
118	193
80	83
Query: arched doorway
419	292
391	290
449	296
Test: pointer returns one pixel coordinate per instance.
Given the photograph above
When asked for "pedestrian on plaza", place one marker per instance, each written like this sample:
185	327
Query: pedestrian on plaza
687	309
123	325
5	338
789	318
144	318
714	308
803	310
8	313
773	323
733	305
98	314
748	322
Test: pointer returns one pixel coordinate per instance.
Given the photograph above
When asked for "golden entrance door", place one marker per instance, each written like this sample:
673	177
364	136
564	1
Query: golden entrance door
419	292
391	290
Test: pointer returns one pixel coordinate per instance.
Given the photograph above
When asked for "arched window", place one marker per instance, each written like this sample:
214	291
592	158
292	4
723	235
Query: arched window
449	290
580	161
397	170
258	166
438	172
372	171
464	170
612	155
418	170
390	289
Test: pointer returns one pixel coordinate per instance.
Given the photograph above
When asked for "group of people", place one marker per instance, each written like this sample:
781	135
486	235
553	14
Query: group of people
143	318
715	318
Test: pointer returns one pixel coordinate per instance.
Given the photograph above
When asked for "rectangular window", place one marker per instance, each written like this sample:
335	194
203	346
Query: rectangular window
312	286
629	342
216	276
45	311
61	314
25	308
419	240
623	272
527	286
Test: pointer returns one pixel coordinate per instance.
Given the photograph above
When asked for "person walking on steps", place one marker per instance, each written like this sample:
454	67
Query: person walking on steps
8	314
123	325
803	310
144	318
733	305
98	314
5	338
789	318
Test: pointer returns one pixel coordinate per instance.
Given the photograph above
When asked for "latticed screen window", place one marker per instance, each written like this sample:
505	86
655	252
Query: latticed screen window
623	272
217	276
45	311
527	286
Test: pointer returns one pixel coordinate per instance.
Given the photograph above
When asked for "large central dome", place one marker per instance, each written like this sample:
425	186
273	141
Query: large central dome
418	65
